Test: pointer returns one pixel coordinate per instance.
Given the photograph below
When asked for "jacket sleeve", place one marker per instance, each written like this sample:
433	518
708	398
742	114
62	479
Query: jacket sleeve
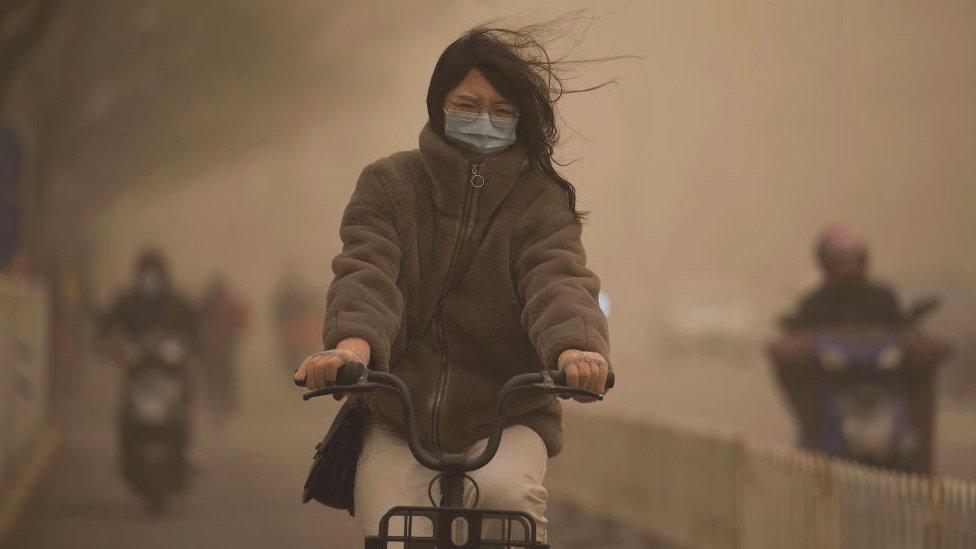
559	294
364	300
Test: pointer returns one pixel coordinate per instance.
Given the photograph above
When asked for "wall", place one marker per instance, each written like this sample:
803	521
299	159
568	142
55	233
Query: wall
23	373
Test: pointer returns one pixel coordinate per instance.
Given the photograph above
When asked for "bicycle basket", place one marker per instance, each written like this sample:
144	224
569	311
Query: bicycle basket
455	528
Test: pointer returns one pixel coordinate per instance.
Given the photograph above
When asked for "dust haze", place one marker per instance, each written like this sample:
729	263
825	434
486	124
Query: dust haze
708	168
230	134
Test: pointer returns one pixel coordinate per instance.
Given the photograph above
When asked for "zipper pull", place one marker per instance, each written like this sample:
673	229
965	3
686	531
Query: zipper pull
477	180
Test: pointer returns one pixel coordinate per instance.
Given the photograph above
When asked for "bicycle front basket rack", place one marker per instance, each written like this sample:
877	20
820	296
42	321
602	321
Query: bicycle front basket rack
455	528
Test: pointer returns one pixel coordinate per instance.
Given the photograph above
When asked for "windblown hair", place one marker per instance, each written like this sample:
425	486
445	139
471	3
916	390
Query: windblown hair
516	63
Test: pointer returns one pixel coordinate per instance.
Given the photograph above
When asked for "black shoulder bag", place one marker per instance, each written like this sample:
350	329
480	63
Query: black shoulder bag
332	478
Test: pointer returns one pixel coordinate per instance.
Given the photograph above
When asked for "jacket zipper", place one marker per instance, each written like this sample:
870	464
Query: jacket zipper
476	181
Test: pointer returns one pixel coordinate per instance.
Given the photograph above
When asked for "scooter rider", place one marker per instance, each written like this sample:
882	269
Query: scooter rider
847	295
855	368
150	309
152	302
462	265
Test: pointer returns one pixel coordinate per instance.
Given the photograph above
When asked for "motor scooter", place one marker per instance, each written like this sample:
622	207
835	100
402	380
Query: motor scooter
864	393
154	416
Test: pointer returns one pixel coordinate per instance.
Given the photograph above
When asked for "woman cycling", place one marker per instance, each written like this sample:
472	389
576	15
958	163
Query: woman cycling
462	266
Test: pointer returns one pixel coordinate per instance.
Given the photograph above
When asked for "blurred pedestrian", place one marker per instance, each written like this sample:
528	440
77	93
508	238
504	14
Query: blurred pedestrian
298	319
224	317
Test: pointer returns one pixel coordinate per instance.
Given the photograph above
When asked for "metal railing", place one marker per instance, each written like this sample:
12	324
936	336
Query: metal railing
697	487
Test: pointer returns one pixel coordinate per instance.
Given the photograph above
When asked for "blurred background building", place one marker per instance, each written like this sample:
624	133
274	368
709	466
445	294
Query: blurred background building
230	134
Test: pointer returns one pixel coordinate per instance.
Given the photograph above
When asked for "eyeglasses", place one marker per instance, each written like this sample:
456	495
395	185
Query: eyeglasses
502	115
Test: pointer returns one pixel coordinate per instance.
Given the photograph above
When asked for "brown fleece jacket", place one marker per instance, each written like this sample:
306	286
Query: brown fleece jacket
460	272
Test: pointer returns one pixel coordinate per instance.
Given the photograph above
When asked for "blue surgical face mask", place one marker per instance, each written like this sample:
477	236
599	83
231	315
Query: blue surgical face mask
479	135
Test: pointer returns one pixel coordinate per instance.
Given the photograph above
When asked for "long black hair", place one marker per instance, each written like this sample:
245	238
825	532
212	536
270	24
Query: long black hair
518	66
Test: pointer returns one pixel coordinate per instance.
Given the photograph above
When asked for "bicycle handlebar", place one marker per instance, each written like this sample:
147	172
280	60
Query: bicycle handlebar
356	378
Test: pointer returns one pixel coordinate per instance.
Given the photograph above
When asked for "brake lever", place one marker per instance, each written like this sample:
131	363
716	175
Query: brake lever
337	390
565	391
548	385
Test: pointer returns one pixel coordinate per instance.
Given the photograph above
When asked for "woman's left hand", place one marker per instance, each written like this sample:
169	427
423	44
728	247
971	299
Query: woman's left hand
584	370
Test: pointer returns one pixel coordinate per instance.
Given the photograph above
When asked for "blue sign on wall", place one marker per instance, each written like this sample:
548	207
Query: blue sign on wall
11	192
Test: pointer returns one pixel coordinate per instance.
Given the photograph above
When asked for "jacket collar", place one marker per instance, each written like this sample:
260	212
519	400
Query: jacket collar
450	173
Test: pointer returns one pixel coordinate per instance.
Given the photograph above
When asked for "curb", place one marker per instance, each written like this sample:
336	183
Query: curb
16	499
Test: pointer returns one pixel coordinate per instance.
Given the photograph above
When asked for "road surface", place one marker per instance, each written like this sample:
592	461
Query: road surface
245	494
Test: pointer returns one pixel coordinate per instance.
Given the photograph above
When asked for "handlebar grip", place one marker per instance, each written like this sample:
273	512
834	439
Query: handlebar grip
559	378
347	374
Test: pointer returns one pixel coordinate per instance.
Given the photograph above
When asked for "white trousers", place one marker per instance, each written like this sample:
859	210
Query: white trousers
388	476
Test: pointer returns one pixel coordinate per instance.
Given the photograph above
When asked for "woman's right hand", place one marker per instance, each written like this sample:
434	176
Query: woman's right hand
319	370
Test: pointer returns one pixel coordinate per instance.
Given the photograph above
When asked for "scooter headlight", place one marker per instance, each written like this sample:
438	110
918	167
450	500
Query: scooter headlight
832	358
155	398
